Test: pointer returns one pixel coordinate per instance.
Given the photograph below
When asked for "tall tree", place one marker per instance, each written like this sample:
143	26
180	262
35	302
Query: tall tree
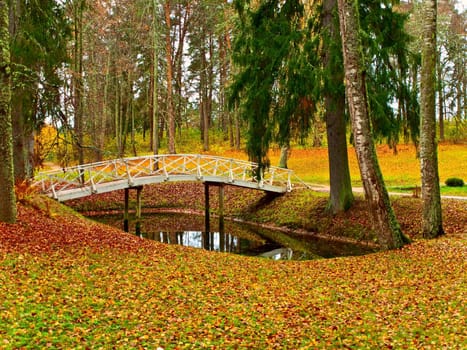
408	99
340	196
153	98
451	42
78	86
224	71
326	76
7	189
209	64
432	219
385	224
39	35
181	23
169	75
276	88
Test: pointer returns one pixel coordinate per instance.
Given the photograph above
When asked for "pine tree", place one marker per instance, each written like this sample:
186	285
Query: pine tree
279	96
169	74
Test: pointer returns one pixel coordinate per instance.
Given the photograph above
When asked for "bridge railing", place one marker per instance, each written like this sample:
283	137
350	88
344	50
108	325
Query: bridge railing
131	170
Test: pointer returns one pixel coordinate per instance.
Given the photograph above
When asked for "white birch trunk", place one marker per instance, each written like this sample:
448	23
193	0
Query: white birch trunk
384	221
432	218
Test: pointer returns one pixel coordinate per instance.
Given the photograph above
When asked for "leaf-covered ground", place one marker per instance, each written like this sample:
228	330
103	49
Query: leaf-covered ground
66	282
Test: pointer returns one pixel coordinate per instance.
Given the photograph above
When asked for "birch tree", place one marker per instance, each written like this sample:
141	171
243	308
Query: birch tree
432	219
385	223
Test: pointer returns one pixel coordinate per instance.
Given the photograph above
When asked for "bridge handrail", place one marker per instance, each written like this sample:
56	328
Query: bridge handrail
198	166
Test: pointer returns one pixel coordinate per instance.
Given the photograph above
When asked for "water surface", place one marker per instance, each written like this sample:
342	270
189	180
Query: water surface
187	230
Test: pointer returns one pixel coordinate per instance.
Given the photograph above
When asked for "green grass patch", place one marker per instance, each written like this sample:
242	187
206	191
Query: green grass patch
454	191
416	190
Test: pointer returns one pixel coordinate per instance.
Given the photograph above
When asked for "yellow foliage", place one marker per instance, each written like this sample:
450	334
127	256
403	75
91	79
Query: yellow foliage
45	143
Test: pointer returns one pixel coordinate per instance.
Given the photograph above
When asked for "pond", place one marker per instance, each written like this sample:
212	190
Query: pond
237	238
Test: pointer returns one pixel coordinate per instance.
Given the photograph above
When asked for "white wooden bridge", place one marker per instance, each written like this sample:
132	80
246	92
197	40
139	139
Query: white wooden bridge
111	175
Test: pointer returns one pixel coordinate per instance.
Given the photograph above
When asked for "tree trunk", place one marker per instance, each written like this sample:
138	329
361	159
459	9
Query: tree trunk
432	219
237	132
168	57
155	83
223	74
7	180
78	79
384	221
285	149
106	112
182	20
20	155
228	64
21	101
340	196
440	99
204	94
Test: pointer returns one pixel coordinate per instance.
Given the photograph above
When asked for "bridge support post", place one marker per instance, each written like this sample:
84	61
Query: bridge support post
125	210
207	227
138	210
126	225
221	209
207	215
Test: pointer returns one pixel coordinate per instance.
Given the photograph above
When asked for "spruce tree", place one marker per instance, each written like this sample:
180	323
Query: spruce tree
39	36
276	87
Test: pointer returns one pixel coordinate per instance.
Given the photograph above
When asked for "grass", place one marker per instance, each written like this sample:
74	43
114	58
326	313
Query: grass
445	190
402	168
399	170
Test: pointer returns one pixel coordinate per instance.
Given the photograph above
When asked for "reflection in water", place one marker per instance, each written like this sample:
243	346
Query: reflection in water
279	254
214	241
186	230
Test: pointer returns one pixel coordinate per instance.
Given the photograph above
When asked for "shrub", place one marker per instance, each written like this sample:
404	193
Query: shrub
454	182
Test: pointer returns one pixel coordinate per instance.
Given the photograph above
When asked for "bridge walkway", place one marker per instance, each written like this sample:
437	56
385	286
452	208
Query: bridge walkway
116	174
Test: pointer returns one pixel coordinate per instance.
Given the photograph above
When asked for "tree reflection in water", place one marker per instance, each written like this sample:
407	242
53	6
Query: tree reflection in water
241	239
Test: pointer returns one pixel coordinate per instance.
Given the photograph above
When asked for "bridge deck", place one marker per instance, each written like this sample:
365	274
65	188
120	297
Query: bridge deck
85	180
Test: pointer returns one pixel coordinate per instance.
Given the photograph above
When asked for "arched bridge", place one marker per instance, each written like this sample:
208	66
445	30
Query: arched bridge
87	179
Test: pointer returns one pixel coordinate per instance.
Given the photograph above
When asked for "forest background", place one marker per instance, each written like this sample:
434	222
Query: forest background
105	79
88	78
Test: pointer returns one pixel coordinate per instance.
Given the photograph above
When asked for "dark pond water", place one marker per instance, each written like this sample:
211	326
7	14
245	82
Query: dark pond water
187	230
